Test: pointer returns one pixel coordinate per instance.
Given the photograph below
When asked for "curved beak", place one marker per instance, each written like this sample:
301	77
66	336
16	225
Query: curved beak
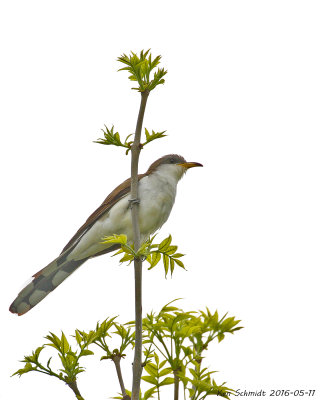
188	165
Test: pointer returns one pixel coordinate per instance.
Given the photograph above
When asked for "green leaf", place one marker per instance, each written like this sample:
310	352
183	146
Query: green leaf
37	352
146	132
171	265
91	337
220	336
151	369
193	373
149	393
150	379
228	324
87	352
165	260
187	350
171	250
78	337
148	259
48	363
155	258
180	263
121	330
55	341
27	368
178	255
153	136
64	344
127	258
167	381
165	371
165	244
120	239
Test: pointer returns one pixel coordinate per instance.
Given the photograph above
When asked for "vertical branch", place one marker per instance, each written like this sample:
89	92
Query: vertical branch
135	152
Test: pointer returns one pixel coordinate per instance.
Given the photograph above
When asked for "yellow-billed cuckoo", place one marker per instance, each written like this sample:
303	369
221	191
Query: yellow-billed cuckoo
157	192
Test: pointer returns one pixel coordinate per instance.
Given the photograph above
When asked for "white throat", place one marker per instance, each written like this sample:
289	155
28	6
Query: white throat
170	172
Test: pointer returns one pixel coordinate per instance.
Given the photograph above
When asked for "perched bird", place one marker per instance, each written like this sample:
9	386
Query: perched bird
157	192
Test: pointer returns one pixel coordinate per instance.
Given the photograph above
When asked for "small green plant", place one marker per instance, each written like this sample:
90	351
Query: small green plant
140	67
70	361
113	138
174	344
148	251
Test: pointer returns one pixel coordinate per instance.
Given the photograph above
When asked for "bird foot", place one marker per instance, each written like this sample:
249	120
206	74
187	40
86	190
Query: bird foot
133	201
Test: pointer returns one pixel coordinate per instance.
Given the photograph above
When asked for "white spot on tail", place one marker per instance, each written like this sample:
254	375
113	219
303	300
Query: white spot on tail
37	296
59	277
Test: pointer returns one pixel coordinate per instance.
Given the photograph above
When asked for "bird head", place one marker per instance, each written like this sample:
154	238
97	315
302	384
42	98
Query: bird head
172	164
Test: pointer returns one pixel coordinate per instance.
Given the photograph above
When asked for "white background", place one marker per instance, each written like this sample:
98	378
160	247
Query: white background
242	97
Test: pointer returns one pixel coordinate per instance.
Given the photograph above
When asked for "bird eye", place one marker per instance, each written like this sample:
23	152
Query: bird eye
171	160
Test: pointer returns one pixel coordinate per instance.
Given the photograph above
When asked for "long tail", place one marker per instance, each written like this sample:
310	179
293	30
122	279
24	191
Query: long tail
44	282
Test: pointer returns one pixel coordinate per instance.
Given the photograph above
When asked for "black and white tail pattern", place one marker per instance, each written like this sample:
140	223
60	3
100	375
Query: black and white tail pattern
43	283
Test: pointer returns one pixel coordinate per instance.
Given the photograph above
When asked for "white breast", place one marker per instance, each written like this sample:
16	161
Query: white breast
157	195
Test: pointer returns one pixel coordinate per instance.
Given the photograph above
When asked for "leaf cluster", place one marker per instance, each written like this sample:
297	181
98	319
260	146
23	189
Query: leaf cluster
203	384
69	359
152	136
149	251
174	344
180	338
140	67
102	333
113	138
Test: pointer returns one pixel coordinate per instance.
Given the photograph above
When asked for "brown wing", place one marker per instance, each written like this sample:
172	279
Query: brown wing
119	192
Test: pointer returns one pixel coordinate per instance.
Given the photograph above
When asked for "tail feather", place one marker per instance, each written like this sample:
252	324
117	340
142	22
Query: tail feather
44	282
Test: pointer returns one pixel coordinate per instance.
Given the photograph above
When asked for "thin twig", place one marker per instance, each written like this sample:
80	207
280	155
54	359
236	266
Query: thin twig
135	152
176	385
116	360
74	387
